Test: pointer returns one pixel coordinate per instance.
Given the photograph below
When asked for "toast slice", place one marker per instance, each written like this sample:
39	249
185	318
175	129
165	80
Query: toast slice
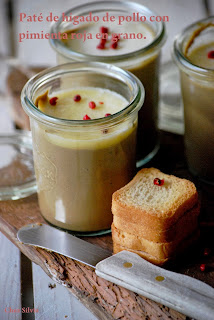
185	225
160	250
183	247
159	262
156	207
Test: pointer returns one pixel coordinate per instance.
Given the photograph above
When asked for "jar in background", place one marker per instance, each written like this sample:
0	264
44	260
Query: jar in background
140	56
194	54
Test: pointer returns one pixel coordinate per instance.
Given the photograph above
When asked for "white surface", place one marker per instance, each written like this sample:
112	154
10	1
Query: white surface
10	296
55	303
4	39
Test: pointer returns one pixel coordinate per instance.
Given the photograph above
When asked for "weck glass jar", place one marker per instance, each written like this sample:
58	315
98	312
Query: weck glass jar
194	54
79	164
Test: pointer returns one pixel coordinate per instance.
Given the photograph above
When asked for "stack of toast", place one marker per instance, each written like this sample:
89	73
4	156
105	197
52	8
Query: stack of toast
155	215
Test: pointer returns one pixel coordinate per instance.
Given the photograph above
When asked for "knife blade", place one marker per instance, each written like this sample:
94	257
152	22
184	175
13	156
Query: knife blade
47	237
182	293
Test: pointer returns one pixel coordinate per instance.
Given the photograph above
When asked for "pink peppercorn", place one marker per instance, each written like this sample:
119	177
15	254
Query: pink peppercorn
77	98
210	54
203	267
158	182
53	100
103	30
92	105
86	117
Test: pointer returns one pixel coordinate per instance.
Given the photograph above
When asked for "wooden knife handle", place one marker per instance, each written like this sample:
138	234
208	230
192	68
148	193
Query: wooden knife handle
179	292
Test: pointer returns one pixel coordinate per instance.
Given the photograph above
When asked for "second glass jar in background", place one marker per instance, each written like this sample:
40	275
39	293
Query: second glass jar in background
141	57
79	164
197	84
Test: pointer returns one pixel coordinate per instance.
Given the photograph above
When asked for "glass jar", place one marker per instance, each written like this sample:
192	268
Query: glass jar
143	60
197	84
79	164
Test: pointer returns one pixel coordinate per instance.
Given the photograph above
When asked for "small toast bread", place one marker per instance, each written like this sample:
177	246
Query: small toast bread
161	261
185	225
156	207
160	250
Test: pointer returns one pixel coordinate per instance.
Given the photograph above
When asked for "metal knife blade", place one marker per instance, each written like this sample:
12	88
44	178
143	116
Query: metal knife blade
182	293
47	237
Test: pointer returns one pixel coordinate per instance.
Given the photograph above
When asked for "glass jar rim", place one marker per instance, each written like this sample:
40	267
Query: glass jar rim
101	68
181	60
59	46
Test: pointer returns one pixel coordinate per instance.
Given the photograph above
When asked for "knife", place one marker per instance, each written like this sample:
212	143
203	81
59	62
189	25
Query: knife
179	292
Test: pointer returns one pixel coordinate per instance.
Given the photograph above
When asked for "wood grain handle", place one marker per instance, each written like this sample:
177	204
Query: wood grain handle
182	293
